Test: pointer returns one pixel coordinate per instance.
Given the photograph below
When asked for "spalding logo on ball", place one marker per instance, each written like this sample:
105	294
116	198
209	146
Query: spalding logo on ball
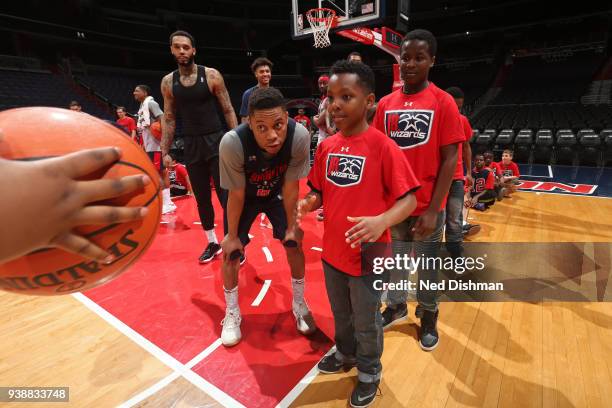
36	133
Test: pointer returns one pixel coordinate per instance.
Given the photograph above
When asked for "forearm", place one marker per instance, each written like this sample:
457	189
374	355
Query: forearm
445	177
168	129
235	204
400	211
290	197
230	117
467	156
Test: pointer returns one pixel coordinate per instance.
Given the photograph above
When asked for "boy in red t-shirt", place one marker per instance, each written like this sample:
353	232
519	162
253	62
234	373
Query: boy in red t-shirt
178	177
455	223
509	173
128	123
494	167
425	123
302	118
482	195
366	185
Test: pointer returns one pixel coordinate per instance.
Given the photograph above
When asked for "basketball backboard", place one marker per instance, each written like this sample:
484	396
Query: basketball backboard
350	13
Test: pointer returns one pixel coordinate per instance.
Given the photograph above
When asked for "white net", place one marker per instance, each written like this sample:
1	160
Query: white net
321	20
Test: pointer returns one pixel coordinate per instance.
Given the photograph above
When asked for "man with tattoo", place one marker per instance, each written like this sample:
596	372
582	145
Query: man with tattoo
189	95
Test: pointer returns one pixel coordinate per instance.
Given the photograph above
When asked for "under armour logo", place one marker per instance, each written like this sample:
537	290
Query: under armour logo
407	104
344	149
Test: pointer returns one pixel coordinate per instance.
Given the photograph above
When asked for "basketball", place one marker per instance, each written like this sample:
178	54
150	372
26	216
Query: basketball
41	132
156	130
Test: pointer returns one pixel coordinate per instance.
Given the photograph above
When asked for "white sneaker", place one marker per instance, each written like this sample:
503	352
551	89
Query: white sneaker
231	335
303	319
168	208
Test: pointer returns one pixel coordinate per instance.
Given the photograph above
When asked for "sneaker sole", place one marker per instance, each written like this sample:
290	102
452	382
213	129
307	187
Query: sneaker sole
428	348
473	231
362	406
231	344
396	321
341	369
213	257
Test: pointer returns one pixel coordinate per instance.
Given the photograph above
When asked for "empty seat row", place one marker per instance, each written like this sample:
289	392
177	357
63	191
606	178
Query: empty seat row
586	147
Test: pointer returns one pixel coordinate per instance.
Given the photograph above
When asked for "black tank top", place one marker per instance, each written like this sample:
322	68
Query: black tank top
195	106
264	176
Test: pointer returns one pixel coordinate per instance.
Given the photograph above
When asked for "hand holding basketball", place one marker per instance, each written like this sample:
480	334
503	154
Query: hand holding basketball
45	215
72	202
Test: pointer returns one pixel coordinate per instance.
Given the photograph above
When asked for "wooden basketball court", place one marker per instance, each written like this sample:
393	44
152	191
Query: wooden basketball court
509	354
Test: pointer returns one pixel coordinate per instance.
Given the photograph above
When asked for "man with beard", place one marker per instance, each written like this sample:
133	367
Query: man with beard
190	93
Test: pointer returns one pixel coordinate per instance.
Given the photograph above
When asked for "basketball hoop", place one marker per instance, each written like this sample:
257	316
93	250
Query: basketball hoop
321	20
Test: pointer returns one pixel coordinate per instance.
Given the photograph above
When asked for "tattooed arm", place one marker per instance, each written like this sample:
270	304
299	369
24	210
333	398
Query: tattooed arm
218	88
168	121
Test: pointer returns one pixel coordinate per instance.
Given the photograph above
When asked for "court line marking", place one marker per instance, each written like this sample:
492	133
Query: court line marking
268	254
566	194
214	392
262	293
302	384
149	391
205	353
317	249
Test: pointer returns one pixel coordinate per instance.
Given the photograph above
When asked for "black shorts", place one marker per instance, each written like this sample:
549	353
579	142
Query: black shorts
178	192
157	160
274	210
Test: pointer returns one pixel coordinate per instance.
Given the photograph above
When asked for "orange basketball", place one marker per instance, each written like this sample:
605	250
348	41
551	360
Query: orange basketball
35	133
156	130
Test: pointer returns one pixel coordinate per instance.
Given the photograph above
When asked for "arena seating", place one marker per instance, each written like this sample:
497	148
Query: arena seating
21	88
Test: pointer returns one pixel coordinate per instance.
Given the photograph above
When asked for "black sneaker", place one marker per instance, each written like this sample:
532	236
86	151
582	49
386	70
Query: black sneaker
363	394
213	249
470	229
428	339
395	314
330	365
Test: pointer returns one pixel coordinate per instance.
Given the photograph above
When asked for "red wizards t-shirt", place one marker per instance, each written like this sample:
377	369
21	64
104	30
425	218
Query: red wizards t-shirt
178	177
420	124
359	175
494	167
510	170
467	129
128	123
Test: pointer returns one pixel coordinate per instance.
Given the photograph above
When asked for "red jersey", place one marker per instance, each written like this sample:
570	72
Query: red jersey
494	167
304	120
127	123
421	124
467	129
178	177
483	180
510	170
359	175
